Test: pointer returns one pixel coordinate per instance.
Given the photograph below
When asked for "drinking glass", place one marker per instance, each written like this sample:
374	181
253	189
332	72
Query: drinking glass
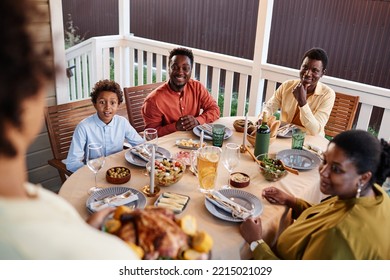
151	139
230	159
204	164
218	134
95	161
298	138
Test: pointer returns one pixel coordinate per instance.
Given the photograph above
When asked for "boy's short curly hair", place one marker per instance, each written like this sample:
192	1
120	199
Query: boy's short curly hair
106	85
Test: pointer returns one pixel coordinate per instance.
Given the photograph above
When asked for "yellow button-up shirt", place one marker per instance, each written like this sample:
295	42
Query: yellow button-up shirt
314	115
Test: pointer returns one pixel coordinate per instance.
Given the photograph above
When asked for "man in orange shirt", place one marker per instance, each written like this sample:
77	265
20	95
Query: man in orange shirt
181	103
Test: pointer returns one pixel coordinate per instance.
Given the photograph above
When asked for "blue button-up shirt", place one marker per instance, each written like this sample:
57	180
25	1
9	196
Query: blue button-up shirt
93	130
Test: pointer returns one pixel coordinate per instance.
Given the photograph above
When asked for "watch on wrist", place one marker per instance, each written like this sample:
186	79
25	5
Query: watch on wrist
256	243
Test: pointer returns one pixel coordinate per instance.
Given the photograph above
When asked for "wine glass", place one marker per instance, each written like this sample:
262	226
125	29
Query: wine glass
95	161
230	159
151	139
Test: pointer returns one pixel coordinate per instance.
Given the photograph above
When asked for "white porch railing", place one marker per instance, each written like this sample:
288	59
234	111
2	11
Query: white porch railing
131	60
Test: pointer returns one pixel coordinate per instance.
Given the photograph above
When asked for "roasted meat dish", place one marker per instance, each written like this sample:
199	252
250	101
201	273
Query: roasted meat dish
155	231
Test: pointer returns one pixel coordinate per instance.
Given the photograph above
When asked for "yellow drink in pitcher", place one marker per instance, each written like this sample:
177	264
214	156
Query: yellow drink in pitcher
207	171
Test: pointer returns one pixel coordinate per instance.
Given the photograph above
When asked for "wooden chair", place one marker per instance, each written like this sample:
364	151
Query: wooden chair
343	114
61	121
135	97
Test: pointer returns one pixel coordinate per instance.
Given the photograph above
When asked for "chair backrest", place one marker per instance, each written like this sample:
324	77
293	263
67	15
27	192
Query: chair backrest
61	121
343	114
135	97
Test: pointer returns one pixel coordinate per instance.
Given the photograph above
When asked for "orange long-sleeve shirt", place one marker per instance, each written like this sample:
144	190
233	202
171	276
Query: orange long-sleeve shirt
163	107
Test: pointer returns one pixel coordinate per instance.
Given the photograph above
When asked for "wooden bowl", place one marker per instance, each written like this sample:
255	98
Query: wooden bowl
118	175
239	180
239	125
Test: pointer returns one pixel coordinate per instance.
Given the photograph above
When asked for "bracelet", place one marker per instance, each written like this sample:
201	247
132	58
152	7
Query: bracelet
256	243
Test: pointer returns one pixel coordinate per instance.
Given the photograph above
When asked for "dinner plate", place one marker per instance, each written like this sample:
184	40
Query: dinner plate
197	131
298	159
136	160
180	145
288	135
101	194
245	199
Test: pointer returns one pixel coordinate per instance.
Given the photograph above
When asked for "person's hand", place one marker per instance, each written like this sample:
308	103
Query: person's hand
300	93
276	196
186	123
96	219
251	229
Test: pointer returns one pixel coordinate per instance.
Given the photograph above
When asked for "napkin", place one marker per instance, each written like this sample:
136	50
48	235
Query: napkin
283	130
228	205
207	128
116	200
142	153
313	149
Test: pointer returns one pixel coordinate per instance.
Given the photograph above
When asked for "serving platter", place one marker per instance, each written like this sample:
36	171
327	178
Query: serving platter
111	191
245	199
299	159
187	143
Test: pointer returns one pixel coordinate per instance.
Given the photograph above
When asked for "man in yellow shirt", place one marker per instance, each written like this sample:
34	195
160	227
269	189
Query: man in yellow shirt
305	102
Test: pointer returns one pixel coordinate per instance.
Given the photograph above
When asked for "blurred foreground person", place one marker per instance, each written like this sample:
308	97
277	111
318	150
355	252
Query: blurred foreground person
353	223
35	223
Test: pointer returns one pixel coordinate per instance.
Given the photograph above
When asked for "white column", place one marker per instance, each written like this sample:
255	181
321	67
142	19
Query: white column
57	34
124	17
263	30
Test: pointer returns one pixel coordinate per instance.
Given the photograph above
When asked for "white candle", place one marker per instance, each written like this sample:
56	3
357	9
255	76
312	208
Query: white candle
151	184
245	130
201	138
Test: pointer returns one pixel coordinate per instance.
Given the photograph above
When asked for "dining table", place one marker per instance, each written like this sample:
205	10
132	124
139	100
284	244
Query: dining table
228	244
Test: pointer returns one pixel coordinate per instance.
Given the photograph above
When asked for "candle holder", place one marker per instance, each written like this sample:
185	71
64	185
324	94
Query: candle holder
146	191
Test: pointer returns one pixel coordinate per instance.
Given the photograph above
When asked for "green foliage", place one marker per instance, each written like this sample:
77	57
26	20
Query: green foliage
70	33
372	131
233	112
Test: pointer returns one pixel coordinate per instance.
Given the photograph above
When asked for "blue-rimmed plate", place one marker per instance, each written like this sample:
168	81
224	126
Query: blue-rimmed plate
299	159
110	191
197	131
245	199
136	160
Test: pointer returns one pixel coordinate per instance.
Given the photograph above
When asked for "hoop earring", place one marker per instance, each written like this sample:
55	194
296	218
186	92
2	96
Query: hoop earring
359	190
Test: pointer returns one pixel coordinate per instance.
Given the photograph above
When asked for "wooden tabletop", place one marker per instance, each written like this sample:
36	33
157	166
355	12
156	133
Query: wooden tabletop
228	243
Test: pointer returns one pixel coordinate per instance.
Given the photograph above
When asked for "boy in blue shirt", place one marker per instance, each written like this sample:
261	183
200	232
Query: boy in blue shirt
104	127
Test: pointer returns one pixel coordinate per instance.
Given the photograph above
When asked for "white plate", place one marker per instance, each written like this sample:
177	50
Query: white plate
197	131
288	135
101	194
136	160
245	199
178	141
298	159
